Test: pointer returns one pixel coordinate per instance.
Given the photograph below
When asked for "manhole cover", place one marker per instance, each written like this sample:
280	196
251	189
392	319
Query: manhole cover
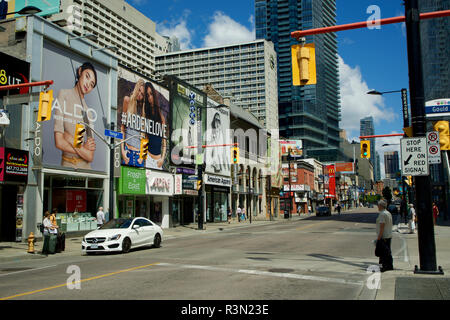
281	270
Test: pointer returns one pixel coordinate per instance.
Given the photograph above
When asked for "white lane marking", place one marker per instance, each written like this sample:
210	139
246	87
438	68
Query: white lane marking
8	274
266	273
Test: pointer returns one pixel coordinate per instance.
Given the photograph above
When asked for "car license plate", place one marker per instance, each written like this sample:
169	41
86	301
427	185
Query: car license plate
94	246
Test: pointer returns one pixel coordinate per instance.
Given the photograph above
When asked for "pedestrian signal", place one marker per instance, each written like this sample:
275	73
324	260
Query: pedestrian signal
144	149
79	135
365	149
444	134
303	64
45	105
235	155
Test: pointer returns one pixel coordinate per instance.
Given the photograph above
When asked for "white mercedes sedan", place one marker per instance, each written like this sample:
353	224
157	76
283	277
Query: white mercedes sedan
121	235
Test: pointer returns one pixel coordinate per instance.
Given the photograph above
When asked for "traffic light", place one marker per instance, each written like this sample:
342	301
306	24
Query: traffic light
144	149
235	155
444	133
365	149
408	180
303	64
45	105
79	135
199	184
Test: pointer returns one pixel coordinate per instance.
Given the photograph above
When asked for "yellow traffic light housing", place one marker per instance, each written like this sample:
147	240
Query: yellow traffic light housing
365	149
79	135
45	105
199	184
144	149
444	133
235	155
303	64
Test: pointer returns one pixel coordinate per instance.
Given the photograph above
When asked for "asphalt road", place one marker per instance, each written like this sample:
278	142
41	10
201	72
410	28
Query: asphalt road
316	258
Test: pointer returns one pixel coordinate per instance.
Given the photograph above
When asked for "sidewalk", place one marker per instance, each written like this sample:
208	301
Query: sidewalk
403	284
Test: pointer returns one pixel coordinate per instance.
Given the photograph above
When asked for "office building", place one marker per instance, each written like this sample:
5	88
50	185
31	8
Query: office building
308	113
367	129
435	37
391	164
245	72
119	26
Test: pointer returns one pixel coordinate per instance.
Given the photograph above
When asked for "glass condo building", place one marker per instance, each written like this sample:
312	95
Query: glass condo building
308	113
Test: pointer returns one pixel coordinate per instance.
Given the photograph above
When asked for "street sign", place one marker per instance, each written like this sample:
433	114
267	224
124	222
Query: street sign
438	108
114	134
434	148
414	156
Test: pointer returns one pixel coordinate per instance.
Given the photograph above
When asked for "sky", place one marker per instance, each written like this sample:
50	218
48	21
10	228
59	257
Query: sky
369	59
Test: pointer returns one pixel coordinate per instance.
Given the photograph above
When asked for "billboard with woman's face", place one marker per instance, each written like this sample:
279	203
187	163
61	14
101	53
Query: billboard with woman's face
80	95
143	112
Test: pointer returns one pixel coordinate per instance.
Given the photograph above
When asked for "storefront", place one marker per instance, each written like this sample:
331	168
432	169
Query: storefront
217	197
159	188
185	199
132	201
13	182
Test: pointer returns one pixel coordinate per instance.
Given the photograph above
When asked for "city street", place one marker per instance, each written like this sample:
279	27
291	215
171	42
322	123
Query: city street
313	258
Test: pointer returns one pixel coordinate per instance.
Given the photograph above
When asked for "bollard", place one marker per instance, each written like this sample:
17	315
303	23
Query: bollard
31	241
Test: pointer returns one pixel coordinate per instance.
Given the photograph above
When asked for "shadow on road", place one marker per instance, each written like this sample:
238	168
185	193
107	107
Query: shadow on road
356	217
362	265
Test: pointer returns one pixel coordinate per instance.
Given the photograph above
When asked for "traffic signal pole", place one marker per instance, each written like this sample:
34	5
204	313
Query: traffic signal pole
427	247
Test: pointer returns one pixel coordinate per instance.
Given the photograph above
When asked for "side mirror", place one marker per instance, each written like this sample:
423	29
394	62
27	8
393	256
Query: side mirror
136	226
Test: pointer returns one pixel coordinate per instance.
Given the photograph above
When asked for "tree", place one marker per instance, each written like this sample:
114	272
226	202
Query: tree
387	194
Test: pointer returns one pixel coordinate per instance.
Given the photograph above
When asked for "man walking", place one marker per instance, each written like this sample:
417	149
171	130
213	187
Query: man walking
100	217
435	212
384	236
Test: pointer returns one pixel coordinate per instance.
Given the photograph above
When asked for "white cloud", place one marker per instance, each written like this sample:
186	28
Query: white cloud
224	30
179	29
356	103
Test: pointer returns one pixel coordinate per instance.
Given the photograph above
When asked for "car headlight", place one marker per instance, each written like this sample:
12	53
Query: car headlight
113	238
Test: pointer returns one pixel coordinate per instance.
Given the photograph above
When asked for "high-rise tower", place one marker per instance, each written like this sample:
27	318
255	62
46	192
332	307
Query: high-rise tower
310	113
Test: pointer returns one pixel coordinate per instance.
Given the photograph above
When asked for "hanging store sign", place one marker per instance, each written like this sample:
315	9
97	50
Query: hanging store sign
14	165
217	180
159	183
132	181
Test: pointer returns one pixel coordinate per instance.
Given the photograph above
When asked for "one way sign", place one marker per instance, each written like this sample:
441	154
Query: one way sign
414	156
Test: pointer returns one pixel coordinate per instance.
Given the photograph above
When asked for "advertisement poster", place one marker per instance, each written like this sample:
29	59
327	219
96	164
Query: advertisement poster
14	165
143	112
13	71
218	157
344	167
332	181
81	95
185	107
76	200
292	146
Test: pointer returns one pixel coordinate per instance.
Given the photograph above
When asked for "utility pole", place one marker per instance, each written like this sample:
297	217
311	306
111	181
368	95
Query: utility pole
111	176
427	246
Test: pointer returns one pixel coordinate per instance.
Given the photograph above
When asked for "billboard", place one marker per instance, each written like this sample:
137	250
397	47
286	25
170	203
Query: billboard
344	167
143	112
295	146
13	71
47	7
331	181
217	157
186	102
81	95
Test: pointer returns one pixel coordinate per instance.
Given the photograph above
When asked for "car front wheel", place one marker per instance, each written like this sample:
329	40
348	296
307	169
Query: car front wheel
157	241
126	245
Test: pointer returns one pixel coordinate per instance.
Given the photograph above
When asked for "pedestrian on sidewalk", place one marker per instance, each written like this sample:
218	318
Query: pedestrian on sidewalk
435	212
404	211
49	230
244	217
229	215
100	217
338	208
239	212
53	217
384	236
395	215
411	218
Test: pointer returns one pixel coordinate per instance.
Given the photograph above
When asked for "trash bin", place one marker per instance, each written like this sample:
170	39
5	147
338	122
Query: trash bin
286	214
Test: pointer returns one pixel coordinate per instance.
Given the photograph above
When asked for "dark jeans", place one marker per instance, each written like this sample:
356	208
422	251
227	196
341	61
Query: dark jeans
386	260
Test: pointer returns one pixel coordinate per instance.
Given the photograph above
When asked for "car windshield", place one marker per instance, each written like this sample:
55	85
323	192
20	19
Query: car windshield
117	224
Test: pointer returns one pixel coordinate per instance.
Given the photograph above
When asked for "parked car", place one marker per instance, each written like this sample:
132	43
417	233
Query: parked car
323	211
121	235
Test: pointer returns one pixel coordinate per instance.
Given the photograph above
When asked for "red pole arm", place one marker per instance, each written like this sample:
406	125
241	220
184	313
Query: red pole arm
358	25
383	135
25	85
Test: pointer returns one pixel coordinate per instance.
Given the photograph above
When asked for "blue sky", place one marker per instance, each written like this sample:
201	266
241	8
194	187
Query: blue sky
369	59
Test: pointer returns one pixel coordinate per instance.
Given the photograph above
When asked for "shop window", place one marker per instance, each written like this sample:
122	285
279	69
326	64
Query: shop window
95	183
